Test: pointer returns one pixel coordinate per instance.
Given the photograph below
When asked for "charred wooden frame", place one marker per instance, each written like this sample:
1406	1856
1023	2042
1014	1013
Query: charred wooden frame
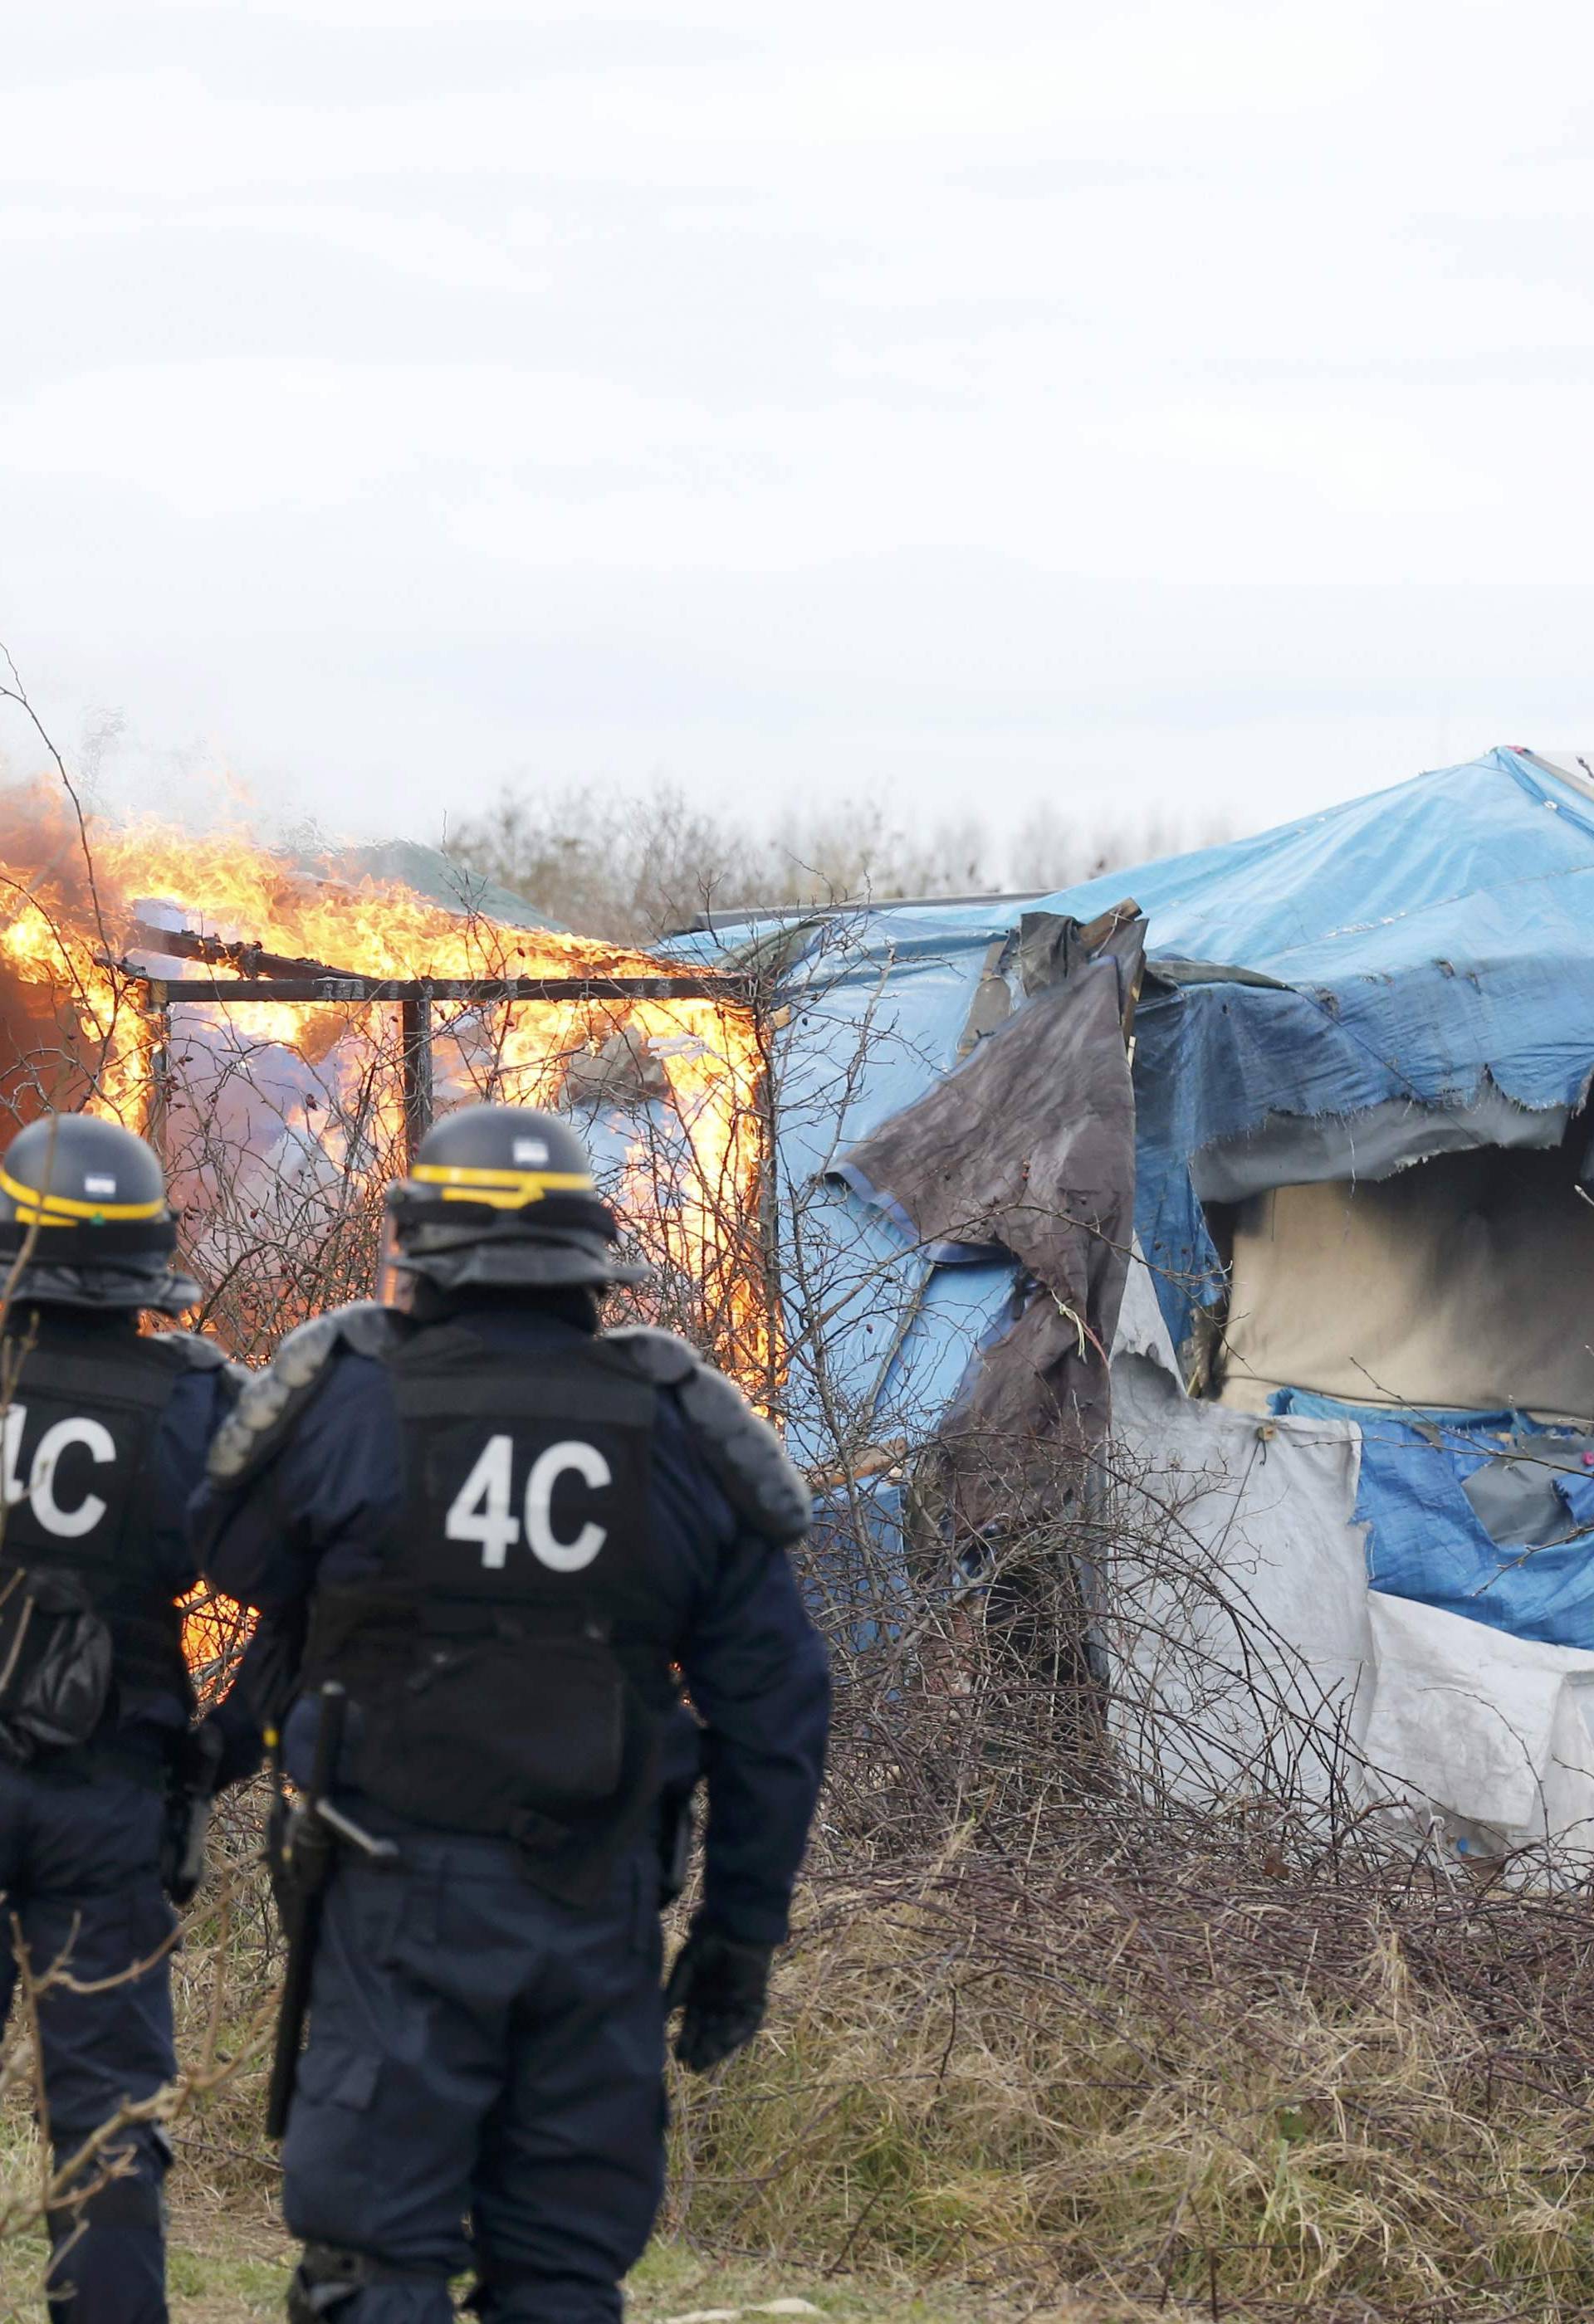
262	976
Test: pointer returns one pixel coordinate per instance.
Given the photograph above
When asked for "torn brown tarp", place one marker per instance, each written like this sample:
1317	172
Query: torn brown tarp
1030	1145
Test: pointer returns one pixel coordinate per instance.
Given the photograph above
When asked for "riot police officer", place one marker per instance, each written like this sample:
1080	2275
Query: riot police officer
509	1532
105	1436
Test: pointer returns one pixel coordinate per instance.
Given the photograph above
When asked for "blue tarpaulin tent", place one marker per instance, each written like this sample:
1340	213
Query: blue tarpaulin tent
1403	976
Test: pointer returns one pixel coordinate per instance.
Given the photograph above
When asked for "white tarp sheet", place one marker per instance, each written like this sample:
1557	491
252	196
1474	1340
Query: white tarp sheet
1244	1636
1482	1726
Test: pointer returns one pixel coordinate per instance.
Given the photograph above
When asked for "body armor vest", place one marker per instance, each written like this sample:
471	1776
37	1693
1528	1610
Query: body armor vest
78	1538
510	1660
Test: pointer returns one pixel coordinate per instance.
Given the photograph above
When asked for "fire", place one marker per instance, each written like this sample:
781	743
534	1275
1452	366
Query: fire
280	1122
253	1099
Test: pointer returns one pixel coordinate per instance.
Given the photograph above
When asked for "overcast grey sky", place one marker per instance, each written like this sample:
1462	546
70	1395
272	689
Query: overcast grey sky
970	403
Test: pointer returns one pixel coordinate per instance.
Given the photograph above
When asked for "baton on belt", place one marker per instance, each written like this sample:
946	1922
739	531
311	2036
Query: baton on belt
316	1833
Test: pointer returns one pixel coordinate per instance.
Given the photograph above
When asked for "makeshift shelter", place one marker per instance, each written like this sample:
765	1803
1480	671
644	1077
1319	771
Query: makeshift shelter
1347	1342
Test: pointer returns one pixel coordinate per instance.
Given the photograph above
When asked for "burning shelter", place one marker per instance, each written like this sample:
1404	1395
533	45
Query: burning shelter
283	1029
1282	1146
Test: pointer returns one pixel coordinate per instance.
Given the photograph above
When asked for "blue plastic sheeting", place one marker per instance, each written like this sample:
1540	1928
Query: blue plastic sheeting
899	1332
1430	936
879	1005
1432	932
1470	876
877	1008
850	1295
855	1574
1423	1540
959	1312
939	1254
1427	938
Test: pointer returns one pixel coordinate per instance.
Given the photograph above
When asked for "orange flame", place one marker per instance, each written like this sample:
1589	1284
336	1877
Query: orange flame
76	1028
62	931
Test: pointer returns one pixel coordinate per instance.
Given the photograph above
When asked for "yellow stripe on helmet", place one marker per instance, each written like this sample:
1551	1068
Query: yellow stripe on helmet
500	1190
38	1206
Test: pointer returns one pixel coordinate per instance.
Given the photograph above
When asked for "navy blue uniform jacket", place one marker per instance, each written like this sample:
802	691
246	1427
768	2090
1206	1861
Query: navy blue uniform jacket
148	1725
755	1668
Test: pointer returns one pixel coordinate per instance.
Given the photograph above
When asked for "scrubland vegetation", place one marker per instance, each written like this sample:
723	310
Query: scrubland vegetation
637	864
1041	2047
1057	2035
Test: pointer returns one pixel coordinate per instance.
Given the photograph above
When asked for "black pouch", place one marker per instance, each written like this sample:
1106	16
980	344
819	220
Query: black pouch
55	1663
500	1734
191	1794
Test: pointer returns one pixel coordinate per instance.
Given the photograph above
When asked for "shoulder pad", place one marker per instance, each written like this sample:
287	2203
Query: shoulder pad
270	1400
662	1357
762	1484
196	1354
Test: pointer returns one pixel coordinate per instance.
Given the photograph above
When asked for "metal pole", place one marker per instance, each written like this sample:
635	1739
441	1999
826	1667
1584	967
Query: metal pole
415	1041
155	1008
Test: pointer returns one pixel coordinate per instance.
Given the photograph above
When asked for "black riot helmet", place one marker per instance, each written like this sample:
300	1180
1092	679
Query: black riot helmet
502	1196
86	1201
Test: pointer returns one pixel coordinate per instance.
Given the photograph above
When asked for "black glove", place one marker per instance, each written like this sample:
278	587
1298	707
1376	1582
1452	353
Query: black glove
721	1986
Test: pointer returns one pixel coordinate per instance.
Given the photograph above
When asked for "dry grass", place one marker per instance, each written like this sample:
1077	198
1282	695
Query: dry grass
1184	2086
1095	2086
1073	2058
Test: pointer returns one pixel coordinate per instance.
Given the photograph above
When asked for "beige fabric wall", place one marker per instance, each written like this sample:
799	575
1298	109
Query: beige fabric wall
1466	1280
